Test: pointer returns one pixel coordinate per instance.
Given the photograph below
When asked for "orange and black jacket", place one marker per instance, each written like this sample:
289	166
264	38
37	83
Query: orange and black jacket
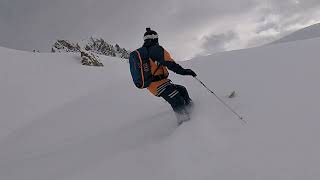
160	62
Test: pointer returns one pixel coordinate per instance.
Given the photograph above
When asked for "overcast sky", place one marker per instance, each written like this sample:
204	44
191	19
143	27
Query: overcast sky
187	28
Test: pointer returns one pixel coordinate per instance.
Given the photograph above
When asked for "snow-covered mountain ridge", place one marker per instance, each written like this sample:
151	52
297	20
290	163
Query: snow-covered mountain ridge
63	121
309	32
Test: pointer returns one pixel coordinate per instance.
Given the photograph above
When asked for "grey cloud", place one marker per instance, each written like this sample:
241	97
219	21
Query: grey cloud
287	7
28	24
288	13
267	26
190	12
216	43
39	21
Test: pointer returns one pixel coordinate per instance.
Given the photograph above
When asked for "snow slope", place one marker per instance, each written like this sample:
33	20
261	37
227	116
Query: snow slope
310	32
63	121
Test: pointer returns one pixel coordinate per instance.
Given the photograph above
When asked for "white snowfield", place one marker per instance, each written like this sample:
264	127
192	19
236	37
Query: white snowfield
63	121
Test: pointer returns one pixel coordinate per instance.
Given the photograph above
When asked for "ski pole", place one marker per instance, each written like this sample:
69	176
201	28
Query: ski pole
220	100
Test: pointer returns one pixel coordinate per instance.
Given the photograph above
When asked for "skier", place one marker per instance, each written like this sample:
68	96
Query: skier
176	95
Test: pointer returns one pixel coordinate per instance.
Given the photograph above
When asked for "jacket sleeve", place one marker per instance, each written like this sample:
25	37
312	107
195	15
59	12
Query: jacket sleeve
160	55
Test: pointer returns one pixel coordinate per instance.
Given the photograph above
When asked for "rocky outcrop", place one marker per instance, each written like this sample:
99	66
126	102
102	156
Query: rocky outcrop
65	46
94	45
89	59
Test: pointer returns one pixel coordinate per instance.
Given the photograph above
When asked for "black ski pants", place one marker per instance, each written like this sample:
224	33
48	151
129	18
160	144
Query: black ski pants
177	96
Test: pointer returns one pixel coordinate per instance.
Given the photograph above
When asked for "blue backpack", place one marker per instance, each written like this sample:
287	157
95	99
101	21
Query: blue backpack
140	68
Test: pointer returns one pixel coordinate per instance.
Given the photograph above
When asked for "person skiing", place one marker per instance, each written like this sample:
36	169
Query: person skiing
160	61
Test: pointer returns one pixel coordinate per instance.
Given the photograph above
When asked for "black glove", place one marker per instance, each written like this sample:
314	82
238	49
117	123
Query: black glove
189	72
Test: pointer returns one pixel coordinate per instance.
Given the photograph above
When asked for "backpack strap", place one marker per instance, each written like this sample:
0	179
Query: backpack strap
141	66
157	69
156	77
